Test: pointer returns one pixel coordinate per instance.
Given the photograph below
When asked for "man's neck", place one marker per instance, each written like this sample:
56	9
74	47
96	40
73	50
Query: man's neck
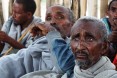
25	25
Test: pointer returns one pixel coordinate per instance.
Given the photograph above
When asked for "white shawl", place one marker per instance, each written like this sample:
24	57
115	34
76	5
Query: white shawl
102	69
15	32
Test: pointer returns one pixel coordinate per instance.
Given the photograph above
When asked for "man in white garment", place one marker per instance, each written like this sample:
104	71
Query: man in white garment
21	20
89	44
37	56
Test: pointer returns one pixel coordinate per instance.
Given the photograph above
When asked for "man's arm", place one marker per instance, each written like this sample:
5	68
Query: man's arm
1	46
26	60
4	35
14	43
5	38
62	56
11	66
61	52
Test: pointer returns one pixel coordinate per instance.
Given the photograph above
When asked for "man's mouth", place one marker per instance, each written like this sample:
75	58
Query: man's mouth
14	20
81	56
114	19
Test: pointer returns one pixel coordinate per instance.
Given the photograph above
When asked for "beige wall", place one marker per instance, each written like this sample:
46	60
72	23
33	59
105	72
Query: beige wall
1	15
80	7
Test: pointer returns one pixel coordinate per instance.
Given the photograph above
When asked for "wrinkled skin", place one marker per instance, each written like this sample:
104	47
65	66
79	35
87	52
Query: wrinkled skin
87	45
40	29
57	17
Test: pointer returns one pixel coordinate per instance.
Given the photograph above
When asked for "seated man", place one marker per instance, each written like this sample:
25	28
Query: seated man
38	56
111	24
17	26
89	44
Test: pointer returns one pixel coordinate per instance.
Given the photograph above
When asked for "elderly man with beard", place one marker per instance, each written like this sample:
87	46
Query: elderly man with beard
89	44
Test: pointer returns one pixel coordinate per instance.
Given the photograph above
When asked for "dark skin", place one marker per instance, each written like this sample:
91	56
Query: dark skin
41	29
1	46
86	44
20	17
57	17
112	13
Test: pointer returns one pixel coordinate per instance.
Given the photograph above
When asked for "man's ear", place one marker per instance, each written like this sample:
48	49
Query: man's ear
72	23
29	14
105	48
107	12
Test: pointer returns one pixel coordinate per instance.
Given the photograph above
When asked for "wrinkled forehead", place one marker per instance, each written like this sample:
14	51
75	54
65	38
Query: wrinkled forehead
57	10
84	27
18	6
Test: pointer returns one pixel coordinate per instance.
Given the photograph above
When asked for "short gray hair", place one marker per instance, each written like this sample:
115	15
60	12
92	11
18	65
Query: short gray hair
101	26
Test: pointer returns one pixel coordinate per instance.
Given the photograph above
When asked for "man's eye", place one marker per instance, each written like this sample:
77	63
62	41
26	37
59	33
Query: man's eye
113	9
76	39
89	39
60	17
48	18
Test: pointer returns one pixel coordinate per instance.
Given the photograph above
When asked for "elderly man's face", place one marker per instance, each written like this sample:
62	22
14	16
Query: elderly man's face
86	44
58	16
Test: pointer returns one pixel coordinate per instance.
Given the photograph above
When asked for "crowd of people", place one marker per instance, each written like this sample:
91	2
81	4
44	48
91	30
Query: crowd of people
59	47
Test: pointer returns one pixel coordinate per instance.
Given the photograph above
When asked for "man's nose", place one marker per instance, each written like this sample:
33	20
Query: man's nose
13	15
80	45
53	22
115	13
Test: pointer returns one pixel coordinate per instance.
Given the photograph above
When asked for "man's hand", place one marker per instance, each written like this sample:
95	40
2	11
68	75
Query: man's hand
41	29
7	39
3	36
113	36
114	25
1	46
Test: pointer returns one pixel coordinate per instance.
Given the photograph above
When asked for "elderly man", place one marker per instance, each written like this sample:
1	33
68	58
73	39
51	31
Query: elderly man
89	44
37	56
14	32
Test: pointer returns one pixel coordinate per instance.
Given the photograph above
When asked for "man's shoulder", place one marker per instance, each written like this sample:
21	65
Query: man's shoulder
107	74
37	19
9	21
104	18
40	40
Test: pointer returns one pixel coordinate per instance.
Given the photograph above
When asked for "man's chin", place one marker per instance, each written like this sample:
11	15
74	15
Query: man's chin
80	61
83	64
16	23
